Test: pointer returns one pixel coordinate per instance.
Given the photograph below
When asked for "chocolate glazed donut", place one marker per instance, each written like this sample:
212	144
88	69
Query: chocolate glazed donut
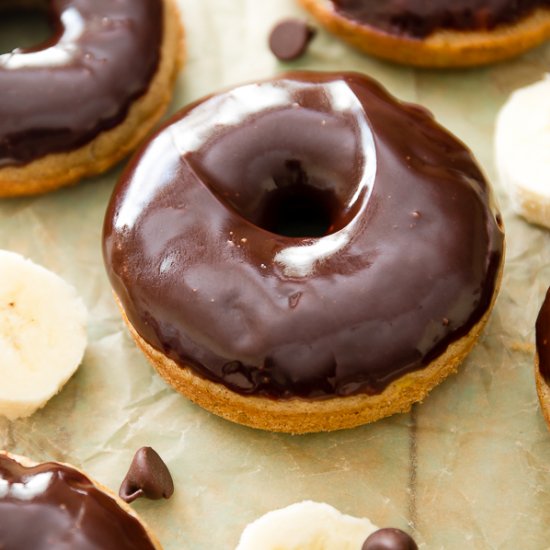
76	104
420	18
542	357
307	249
53	506
442	33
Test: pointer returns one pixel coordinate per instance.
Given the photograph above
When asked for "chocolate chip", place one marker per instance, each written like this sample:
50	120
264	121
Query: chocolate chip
147	477
290	38
389	539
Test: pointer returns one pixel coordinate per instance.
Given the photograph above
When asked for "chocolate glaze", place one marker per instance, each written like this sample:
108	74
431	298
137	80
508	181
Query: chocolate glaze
61	94
419	18
52	506
408	266
543	338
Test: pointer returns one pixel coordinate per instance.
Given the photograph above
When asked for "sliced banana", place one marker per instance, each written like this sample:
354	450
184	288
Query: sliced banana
522	144
306	526
42	335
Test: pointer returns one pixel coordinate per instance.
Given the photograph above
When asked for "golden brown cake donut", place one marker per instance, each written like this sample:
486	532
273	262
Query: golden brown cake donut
54	505
448	33
75	105
305	253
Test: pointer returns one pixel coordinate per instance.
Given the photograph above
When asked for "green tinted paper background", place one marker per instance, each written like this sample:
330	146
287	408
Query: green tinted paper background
470	468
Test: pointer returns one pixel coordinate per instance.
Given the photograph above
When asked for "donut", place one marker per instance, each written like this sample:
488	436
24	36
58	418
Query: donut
522	145
304	253
446	33
78	103
54	505
542	357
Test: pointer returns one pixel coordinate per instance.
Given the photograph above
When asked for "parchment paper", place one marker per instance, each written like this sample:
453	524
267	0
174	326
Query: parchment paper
469	468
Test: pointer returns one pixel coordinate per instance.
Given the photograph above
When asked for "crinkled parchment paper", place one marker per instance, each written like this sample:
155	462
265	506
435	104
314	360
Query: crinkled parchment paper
469	468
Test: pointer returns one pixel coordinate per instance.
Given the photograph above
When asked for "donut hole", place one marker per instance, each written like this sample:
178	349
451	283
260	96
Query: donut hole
298	211
24	28
298	172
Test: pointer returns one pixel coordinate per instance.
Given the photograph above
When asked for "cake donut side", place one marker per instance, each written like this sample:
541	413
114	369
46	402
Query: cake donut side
63	508
447	33
305	253
75	105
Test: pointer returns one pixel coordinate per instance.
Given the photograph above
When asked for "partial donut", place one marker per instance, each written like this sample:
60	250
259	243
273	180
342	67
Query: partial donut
74	106
442	33
304	253
542	358
54	505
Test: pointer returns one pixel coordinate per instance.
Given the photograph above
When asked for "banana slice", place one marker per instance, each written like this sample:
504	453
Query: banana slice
522	145
42	335
306	526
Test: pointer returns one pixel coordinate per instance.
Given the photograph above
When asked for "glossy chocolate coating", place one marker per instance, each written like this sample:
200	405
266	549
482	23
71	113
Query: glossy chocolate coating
543	338
419	18
60	95
408	266
52	506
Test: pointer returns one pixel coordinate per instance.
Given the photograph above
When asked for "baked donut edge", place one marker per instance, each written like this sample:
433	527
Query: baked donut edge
543	392
300	416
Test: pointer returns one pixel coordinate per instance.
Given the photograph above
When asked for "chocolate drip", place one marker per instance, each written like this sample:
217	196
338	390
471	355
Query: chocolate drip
420	18
407	265
60	95
54	506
